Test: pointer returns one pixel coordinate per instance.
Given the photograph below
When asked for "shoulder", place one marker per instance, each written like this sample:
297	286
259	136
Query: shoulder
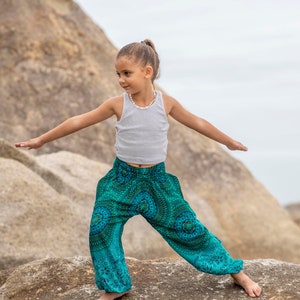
115	100
110	107
170	103
174	109
115	104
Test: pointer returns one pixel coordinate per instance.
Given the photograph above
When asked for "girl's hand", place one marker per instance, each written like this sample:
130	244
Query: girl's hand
30	144
234	145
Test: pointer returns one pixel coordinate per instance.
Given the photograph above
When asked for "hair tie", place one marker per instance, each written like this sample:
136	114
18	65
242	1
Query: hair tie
143	42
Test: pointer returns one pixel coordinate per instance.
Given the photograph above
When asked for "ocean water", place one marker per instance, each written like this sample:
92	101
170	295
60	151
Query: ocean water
235	63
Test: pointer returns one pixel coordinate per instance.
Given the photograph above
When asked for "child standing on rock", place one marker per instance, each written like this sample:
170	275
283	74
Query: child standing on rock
138	182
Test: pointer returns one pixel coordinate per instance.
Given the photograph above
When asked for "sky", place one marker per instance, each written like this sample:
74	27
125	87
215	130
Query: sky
235	63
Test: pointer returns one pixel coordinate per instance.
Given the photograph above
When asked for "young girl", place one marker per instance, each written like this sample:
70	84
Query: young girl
138	182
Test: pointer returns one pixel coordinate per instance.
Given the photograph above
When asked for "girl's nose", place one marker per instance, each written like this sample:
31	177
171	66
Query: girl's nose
121	79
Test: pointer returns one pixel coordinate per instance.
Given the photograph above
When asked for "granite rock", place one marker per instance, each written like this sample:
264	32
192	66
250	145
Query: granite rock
72	279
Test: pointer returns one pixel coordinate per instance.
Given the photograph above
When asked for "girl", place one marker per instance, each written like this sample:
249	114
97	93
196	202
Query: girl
138	182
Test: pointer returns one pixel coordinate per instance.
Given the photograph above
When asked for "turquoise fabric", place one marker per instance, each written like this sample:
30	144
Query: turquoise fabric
126	191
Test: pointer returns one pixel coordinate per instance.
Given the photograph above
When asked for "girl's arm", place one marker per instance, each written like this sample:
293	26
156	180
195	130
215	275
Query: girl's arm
73	124
179	113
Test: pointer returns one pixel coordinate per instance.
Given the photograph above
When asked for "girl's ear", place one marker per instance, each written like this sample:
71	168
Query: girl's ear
148	71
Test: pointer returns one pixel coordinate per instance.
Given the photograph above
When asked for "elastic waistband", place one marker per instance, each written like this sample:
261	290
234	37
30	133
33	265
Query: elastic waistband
159	168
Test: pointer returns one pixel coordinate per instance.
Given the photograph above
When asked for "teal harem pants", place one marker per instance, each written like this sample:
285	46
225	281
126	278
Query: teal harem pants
126	191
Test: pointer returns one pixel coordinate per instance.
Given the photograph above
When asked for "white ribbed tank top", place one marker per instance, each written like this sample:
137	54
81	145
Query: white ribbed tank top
142	134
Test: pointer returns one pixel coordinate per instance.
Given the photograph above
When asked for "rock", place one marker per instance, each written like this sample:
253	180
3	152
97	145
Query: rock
294	211
72	278
55	63
74	177
50	278
35	220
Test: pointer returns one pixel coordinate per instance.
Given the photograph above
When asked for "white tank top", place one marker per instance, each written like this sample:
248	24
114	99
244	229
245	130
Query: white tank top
142	134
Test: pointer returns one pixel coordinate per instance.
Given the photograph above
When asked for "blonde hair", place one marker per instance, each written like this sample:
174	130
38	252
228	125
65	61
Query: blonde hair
145	53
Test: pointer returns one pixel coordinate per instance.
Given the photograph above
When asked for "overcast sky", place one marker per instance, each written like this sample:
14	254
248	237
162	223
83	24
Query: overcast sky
235	63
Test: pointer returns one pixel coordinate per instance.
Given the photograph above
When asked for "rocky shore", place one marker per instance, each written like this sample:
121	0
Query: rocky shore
72	279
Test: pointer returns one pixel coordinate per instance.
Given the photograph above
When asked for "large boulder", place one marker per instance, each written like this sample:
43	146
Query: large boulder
73	279
294	211
35	220
47	202
55	62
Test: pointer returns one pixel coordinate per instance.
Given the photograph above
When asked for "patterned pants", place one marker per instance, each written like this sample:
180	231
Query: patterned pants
126	191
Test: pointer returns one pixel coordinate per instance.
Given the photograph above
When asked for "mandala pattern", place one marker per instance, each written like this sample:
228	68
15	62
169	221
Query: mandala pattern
126	191
187	227
144	204
159	173
103	269
100	219
124	173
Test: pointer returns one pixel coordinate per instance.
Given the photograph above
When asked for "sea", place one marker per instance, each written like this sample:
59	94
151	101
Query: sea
235	63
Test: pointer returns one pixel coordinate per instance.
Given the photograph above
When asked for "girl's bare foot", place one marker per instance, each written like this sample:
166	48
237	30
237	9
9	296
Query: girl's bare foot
250	287
111	296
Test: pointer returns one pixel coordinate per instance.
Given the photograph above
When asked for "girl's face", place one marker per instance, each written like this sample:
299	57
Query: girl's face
132	76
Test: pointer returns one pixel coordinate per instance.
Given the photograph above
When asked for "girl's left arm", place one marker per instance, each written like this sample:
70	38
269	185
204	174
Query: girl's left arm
180	114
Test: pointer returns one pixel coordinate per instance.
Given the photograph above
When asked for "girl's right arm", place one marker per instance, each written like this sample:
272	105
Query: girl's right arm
106	110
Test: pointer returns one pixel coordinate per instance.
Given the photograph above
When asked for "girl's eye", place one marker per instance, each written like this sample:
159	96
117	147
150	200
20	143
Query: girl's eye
125	73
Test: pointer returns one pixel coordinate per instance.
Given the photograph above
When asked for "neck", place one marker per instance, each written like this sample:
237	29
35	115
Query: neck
143	98
143	101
